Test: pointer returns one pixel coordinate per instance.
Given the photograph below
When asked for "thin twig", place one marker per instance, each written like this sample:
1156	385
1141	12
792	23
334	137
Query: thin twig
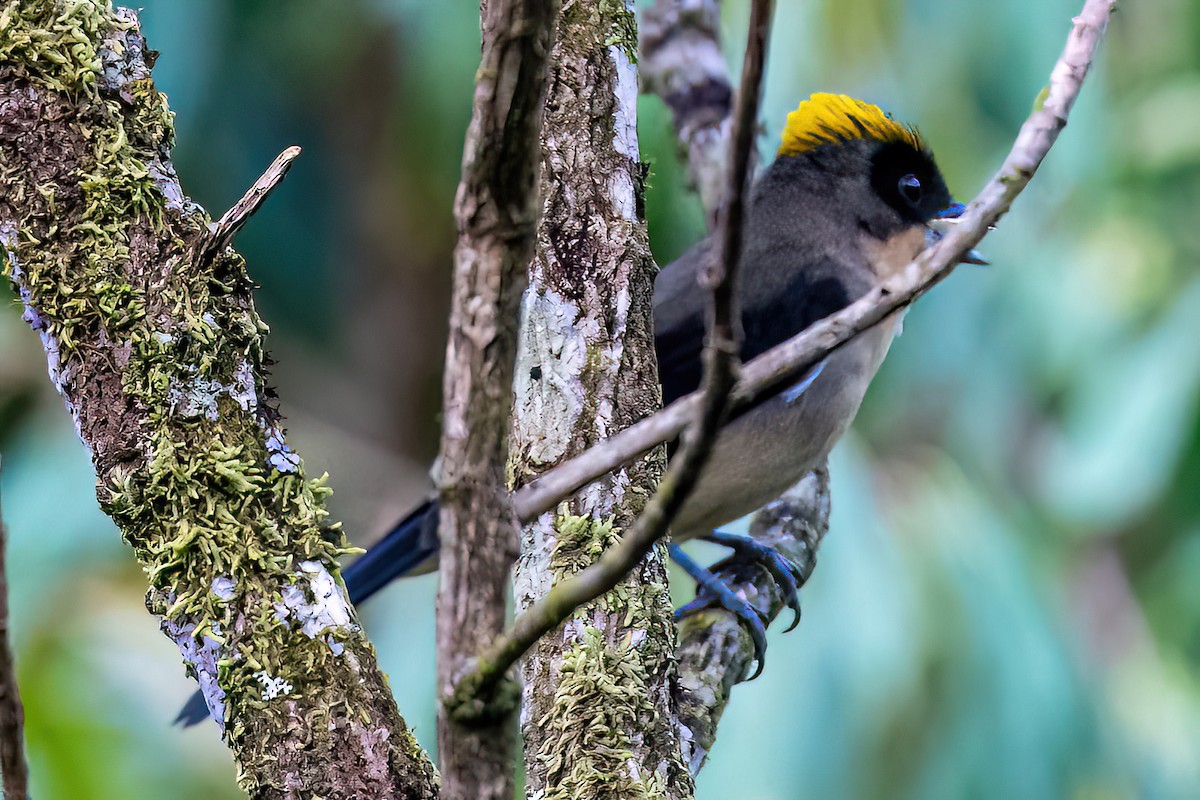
721	360
221	233
13	768
790	359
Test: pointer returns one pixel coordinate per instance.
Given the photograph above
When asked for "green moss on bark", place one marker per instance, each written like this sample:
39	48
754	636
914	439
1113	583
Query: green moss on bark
603	678
160	360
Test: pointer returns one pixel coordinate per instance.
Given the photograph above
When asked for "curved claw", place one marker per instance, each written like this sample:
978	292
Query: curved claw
712	591
786	573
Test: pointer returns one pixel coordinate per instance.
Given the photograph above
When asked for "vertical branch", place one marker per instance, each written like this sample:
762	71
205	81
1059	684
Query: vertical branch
721	362
13	769
597	709
496	211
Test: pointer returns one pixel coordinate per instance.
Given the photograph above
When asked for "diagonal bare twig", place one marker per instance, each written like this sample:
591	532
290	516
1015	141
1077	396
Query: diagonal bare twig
209	245
721	359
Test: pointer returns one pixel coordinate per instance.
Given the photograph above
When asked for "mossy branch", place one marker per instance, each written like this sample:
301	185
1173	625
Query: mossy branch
597	712
715	650
160	358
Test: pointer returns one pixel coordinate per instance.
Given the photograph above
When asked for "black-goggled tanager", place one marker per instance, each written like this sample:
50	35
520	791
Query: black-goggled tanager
848	201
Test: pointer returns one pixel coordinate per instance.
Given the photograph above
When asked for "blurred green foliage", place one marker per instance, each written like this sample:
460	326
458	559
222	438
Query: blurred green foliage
1008	603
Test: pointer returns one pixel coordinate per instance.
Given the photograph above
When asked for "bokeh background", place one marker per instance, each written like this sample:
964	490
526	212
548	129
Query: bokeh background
1008	603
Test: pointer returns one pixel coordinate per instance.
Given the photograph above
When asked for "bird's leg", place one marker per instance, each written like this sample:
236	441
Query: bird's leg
745	548
712	591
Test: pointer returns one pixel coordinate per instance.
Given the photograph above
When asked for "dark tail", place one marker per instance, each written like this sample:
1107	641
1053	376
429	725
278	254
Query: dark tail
410	546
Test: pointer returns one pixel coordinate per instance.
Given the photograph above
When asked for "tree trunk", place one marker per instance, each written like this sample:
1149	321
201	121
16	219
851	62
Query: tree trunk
598	691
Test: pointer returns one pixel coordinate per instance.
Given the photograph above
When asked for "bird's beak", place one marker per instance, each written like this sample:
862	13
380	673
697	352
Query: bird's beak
952	211
942	222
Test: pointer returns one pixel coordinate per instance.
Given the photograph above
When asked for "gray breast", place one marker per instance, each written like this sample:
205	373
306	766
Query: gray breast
761	454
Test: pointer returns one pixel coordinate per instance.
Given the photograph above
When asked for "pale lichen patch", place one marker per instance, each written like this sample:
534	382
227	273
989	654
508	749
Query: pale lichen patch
224	587
625	141
272	687
202	652
315	603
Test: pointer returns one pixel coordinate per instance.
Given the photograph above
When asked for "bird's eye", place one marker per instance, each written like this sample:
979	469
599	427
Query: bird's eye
910	189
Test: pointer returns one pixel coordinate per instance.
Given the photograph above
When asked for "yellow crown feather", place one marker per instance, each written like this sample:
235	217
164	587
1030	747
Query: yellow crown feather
832	118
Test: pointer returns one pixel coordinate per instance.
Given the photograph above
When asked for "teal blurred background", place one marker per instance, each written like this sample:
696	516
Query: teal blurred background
1008	603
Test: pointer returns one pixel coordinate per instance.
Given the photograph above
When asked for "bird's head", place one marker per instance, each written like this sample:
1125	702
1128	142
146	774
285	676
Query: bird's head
865	166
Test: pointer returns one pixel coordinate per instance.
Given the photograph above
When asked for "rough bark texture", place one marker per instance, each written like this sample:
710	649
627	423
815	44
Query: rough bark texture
496	210
597	714
160	358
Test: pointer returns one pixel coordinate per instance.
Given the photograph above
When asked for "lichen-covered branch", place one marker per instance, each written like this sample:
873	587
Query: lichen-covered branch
160	357
682	63
14	771
496	211
597	710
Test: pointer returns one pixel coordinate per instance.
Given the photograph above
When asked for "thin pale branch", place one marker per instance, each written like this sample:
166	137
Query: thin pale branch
13	767
220	234
721	359
790	359
496	211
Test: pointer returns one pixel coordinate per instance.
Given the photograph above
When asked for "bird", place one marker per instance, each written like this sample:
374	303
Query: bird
852	196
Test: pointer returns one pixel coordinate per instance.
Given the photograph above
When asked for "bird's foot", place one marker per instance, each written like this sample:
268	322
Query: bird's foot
712	591
786	573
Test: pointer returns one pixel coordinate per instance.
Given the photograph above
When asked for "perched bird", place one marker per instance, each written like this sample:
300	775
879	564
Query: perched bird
848	201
